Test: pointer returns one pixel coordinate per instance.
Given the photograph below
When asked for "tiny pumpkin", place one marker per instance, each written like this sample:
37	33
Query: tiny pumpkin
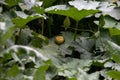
59	39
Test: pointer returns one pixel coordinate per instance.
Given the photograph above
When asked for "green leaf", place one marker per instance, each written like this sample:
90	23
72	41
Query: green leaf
72	78
41	37
30	3
21	22
13	71
51	51
114	49
45	39
73	13
111	23
98	63
114	31
114	74
75	68
73	64
7	35
57	7
116	57
21	14
110	9
37	43
39	9
114	46
47	3
12	2
83	45
40	73
116	39
87	5
68	37
24	36
115	13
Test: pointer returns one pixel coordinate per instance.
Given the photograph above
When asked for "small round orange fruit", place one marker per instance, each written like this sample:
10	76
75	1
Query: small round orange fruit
59	39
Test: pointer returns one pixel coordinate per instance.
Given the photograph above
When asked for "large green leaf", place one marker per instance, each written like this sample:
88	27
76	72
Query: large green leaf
30	3
7	27
114	74
111	23
8	34
72	12
13	2
114	49
114	31
13	71
83	45
53	51
74	64
39	9
115	13
107	9
47	3
116	57
57	7
41	71
76	69
23	36
40	36
114	46
87	5
21	22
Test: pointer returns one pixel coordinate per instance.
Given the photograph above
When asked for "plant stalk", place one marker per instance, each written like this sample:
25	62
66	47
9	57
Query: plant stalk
49	25
75	33
42	27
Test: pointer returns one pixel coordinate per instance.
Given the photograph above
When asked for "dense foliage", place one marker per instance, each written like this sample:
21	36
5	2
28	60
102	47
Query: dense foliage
88	46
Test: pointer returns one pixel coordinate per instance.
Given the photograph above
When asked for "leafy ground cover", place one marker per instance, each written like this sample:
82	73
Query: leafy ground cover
59	40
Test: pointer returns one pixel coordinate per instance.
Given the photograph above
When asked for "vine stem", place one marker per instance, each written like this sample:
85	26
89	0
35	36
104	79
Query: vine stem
49	23
42	26
82	30
75	33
